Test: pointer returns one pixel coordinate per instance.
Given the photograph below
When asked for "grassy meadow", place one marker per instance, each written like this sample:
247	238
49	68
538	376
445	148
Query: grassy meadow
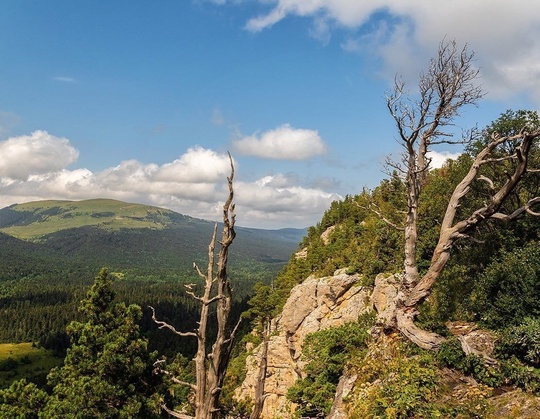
22	360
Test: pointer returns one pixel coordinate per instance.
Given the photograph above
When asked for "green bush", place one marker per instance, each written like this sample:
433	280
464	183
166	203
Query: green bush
8	364
520	375
328	352
509	290
522	341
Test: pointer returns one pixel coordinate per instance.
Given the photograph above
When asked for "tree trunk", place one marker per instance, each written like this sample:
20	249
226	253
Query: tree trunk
261	379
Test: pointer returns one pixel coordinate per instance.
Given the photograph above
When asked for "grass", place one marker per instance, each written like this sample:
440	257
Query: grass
108	214
22	360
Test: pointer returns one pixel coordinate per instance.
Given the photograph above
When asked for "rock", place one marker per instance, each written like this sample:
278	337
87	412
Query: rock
345	386
316	304
384	297
473	340
325	236
516	404
301	254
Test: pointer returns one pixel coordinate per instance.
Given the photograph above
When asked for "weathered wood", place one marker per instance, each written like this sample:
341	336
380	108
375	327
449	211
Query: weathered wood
211	364
447	86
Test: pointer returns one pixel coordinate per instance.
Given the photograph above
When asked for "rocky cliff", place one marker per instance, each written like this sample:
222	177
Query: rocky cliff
315	304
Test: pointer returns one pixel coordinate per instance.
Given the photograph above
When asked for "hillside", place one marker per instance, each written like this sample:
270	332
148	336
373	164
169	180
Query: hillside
51	250
124	236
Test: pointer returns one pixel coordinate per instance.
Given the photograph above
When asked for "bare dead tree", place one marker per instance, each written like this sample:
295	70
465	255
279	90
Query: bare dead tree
259	395
449	84
211	364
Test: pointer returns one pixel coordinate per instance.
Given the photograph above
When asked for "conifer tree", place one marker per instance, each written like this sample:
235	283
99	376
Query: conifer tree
108	370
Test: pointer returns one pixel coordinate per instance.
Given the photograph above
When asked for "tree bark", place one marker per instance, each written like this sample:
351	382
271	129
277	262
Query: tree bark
447	86
211	364
259	395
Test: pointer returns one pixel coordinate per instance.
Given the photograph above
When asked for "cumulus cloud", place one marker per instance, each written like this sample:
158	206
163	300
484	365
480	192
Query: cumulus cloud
439	158
284	142
36	153
272	199
404	33
34	167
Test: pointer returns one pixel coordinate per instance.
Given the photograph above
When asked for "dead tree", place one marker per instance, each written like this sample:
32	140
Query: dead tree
211	364
447	86
259	395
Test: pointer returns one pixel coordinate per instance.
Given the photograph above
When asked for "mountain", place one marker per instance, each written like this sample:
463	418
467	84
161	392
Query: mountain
134	236
51	250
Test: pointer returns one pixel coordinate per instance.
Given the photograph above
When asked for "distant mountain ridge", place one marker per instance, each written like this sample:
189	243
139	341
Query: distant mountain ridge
141	239
38	218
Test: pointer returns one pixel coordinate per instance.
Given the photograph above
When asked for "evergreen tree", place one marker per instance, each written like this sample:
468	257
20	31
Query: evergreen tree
107	372
21	401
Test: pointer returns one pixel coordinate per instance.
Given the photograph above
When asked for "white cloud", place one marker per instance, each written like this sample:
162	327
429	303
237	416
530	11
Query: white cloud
34	168
36	153
273	199
439	158
284	142
505	35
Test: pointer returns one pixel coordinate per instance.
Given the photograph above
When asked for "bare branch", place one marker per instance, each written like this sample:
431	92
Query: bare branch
525	208
376	210
489	181
158	369
176	414
165	325
199	272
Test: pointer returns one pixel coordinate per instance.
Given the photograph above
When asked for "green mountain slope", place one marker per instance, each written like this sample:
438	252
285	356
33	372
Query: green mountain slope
133	237
34	219
51	250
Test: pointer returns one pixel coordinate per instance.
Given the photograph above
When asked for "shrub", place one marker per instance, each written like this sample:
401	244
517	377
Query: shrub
328	352
509	290
522	341
393	386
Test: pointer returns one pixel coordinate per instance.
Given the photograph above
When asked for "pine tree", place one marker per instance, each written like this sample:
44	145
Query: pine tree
107	371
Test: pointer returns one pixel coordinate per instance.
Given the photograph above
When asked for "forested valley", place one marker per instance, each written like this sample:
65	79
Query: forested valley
43	281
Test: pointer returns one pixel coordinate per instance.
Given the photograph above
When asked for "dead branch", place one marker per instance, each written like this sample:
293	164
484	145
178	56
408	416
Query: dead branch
165	325
211	364
376	210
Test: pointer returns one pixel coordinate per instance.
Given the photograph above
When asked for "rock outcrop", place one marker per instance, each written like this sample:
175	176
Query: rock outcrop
315	304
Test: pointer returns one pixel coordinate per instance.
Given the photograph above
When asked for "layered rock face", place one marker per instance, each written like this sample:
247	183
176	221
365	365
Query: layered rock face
315	304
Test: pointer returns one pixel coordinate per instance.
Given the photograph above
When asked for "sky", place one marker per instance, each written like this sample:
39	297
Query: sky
141	100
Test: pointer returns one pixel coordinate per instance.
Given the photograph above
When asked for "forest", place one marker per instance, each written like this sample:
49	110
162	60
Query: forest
480	209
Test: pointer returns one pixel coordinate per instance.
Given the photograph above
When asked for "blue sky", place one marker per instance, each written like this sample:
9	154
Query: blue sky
140	100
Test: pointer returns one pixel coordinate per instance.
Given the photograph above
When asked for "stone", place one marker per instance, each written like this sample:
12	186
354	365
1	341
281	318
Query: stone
315	304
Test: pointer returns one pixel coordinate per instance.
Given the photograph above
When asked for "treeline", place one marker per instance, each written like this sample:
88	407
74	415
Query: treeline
39	311
42	283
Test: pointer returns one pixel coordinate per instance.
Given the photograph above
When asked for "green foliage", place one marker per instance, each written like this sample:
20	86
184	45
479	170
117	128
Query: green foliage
108	369
21	400
509	289
262	306
393	384
327	353
522	341
178	394
520	375
508	371
23	360
236	373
